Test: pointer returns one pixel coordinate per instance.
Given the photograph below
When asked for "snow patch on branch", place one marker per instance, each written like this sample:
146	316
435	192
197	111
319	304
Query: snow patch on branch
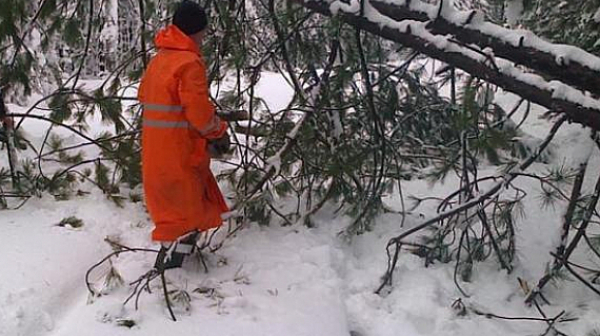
419	29
559	89
564	54
352	7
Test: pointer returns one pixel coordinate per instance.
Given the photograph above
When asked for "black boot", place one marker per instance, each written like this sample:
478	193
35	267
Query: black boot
172	256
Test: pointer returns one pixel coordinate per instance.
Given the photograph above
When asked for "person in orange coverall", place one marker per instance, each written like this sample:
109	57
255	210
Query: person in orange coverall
179	120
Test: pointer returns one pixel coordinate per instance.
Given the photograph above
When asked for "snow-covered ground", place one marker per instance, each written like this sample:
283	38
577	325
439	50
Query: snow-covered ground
271	280
267	281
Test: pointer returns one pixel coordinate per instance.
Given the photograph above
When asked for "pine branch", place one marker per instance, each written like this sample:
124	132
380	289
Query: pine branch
562	259
506	179
312	98
21	39
70	128
88	273
567	223
580	278
115	138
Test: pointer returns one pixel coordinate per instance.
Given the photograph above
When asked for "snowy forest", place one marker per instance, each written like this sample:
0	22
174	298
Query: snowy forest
397	167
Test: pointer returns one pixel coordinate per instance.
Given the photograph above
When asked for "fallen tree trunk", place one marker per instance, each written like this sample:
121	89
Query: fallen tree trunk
555	96
567	64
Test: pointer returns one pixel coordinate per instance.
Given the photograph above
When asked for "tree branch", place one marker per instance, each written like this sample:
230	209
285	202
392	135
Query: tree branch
506	179
414	34
518	47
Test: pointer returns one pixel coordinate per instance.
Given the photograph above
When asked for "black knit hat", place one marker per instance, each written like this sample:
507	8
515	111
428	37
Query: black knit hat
190	18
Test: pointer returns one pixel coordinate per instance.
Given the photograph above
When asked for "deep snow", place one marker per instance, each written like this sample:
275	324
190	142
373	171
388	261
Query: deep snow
272	280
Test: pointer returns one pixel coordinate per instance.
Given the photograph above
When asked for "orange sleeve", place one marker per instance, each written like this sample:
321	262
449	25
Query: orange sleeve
199	111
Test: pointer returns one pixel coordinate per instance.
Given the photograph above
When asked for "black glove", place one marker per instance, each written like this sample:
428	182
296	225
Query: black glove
219	147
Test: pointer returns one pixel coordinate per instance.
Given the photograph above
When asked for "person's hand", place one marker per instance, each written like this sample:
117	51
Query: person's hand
219	147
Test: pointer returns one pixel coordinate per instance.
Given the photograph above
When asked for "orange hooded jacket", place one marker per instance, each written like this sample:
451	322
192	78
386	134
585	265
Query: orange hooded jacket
181	193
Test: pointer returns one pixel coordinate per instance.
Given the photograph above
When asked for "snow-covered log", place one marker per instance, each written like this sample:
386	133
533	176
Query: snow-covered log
568	64
554	95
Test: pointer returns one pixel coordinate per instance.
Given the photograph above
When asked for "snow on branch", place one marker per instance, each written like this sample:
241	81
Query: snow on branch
568	64
554	95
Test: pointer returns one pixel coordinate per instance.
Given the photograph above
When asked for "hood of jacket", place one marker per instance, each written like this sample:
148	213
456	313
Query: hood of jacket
173	38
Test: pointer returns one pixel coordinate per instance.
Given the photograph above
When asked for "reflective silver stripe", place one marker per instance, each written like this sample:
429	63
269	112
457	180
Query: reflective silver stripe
166	124
163	108
184	248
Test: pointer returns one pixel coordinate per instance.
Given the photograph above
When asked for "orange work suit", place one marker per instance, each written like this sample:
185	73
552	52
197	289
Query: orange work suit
181	192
